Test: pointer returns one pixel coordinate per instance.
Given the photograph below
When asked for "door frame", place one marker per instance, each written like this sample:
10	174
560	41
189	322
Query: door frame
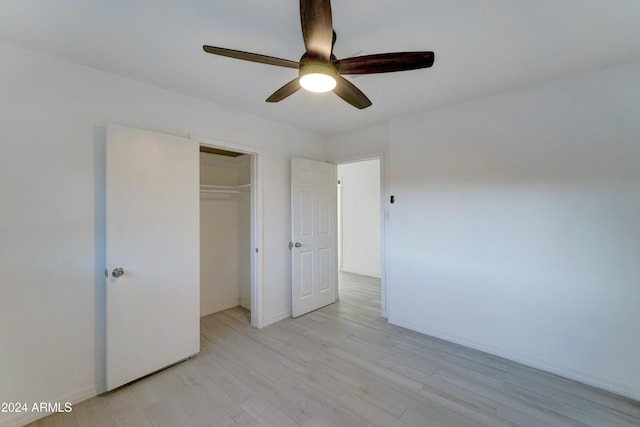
257	318
384	310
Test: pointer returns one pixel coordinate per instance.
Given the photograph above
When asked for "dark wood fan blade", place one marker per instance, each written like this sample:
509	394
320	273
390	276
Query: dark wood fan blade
385	62
354	96
317	28
289	89
253	57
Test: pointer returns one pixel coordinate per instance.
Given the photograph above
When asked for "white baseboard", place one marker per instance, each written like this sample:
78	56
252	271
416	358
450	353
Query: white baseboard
269	320
245	303
20	419
625	390
218	307
370	274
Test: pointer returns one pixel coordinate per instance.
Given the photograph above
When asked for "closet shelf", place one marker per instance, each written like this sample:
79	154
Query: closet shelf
244	188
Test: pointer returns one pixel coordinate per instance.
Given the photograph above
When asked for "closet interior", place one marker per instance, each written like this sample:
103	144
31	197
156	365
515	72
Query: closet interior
225	230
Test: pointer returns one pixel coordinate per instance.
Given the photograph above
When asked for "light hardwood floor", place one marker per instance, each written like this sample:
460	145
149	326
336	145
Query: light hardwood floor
345	366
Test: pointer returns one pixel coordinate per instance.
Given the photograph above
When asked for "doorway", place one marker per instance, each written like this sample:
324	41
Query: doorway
360	238
229	229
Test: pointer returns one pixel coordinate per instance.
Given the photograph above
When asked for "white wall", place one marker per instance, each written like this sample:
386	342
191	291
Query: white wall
52	128
515	228
357	144
220	260
360	217
216	169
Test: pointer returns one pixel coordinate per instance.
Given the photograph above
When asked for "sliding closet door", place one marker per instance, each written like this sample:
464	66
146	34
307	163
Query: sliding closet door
153	259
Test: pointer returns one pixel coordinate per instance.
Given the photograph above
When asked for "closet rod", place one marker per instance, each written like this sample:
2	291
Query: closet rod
245	188
223	191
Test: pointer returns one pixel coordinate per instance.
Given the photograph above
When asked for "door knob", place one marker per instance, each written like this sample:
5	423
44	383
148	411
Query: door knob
117	272
292	245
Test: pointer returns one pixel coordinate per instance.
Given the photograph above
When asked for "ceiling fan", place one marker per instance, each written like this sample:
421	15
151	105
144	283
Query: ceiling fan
319	69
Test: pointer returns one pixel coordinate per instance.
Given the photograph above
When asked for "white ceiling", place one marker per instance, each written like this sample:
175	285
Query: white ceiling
481	47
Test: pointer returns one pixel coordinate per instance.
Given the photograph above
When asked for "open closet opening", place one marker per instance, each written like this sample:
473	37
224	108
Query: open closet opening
225	230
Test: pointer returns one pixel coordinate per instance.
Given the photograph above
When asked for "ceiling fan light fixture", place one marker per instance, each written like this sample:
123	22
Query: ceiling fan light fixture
319	70
318	76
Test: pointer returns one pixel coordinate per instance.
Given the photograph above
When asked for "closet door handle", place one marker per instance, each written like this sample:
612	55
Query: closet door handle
292	245
117	272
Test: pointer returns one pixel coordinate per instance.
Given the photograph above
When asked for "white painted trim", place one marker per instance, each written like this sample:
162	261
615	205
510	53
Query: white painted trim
224	189
277	317
220	306
257	320
625	390
339	224
21	419
384	310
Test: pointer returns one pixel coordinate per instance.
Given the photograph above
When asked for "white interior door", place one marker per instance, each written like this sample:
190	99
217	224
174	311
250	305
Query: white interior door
153	236
313	248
